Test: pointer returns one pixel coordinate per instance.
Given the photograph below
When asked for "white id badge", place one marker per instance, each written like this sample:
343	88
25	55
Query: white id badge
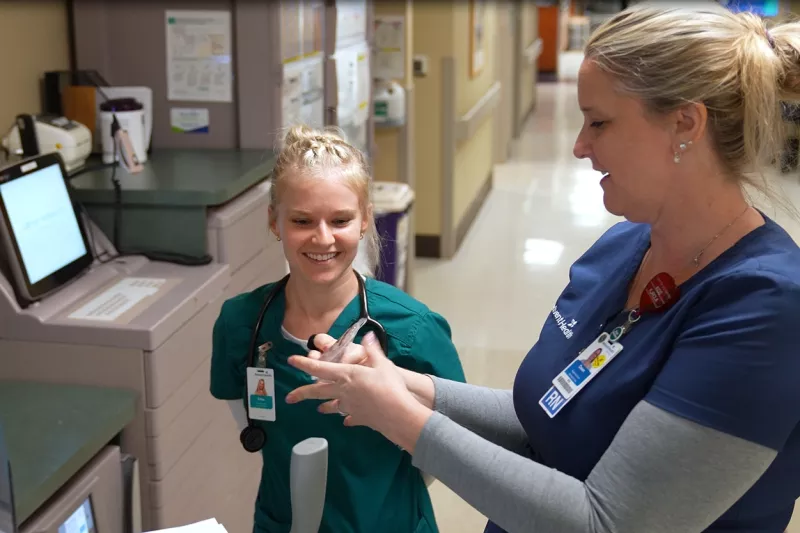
261	394
579	373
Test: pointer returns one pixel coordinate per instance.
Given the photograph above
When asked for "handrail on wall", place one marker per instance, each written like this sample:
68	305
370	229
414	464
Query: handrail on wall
533	51
469	122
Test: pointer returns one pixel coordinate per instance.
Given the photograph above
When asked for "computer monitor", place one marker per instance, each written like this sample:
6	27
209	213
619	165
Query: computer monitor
81	520
8	523
42	238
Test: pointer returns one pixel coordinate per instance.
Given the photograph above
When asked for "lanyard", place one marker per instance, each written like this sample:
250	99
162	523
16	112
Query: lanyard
658	295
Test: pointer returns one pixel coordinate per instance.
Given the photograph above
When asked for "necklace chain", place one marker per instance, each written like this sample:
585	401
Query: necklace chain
696	259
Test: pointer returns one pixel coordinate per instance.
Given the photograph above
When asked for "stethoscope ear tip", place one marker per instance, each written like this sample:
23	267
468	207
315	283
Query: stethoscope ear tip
310	344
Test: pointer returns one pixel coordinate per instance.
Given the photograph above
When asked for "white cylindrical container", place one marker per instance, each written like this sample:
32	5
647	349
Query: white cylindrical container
389	107
130	116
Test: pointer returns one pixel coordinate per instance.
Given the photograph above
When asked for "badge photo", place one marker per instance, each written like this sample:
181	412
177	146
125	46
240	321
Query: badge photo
261	394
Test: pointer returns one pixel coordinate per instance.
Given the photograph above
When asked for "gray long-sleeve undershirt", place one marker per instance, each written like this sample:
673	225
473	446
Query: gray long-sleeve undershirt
661	473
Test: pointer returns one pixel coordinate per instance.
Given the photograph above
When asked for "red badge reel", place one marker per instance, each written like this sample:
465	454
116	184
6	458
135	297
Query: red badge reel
659	294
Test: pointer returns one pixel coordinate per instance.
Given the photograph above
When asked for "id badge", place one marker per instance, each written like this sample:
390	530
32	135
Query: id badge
570	381
261	394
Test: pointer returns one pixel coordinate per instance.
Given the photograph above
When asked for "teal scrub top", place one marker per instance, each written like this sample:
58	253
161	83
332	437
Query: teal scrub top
372	485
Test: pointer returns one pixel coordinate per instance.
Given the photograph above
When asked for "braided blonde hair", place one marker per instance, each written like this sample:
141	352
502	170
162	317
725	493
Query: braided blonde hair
321	151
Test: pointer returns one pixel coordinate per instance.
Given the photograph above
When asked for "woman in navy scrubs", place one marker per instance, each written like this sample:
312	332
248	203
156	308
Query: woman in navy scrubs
687	418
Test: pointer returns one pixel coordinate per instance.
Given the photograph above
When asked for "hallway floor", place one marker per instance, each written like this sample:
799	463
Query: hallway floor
544	211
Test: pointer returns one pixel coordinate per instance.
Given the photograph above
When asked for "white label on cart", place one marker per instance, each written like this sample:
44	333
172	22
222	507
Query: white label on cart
117	299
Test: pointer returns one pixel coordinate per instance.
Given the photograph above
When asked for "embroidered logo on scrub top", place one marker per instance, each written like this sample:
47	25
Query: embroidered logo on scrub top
564	325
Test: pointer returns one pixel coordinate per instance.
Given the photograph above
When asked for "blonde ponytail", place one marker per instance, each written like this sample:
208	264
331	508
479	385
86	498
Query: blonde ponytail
731	62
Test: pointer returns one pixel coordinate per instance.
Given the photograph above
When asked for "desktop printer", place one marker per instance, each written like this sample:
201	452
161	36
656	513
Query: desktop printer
41	134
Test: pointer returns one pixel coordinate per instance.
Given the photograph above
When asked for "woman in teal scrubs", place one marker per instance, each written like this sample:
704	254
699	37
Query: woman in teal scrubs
320	210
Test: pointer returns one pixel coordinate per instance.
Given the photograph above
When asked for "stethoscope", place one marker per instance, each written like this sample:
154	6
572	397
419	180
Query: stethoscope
254	437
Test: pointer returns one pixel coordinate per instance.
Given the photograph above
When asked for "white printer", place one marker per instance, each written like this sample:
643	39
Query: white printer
50	133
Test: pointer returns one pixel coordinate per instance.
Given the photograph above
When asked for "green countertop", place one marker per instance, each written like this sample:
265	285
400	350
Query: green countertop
178	178
52	431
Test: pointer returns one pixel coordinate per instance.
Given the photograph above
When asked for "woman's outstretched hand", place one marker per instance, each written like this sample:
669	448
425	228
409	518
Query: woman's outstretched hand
369	393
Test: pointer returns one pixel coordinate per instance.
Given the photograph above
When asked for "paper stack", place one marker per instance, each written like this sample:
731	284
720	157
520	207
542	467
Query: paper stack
206	526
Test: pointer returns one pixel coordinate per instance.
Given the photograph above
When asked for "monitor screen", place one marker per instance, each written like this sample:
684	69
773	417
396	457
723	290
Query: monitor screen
43	221
45	242
80	521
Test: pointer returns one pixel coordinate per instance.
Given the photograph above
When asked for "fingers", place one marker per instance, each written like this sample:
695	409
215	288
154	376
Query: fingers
319	369
316	391
329	408
354	355
373	348
350	422
323	341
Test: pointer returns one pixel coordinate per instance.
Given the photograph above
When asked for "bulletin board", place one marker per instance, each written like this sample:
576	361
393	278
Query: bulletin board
477	36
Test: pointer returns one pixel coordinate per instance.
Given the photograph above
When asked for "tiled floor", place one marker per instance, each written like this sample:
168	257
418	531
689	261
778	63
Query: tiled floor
545	210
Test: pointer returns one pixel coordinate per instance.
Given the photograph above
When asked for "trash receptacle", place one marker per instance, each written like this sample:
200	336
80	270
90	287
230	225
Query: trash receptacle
392	203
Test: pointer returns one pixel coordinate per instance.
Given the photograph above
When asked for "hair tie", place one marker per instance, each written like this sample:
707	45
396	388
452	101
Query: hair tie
770	40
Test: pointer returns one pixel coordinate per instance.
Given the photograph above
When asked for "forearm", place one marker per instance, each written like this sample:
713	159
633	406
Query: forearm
661	474
487	412
420	385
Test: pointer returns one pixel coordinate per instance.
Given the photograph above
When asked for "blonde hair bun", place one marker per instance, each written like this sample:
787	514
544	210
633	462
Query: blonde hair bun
303	133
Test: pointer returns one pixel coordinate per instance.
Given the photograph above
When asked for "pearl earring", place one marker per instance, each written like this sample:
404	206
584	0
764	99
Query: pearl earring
682	146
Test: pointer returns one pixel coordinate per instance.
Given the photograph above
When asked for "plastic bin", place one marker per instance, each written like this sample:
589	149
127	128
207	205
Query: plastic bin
392	203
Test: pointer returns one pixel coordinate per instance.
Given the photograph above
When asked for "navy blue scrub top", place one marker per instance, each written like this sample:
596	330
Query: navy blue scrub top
725	356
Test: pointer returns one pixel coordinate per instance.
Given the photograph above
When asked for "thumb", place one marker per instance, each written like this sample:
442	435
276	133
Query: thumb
375	355
321	342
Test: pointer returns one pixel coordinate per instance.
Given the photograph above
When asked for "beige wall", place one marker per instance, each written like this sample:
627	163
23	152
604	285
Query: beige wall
442	29
433	37
475	157
35	37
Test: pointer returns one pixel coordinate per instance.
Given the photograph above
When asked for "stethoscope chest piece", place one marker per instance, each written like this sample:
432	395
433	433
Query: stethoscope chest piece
253	438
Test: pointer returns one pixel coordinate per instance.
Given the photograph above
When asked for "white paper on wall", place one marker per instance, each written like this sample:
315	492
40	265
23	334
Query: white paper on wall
390	33
351	22
199	56
303	92
346	84
363	83
354	83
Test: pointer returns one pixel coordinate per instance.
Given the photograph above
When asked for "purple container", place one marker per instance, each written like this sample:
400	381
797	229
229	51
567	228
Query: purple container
392	203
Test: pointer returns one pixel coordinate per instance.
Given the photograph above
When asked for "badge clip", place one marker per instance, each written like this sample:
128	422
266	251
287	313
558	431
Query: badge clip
262	354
